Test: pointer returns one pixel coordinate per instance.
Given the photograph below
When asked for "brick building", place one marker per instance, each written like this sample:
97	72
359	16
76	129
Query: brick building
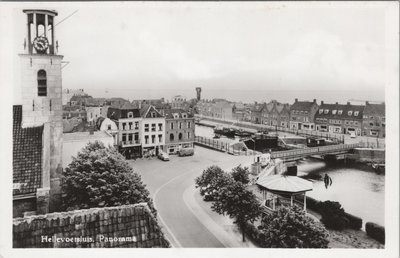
152	130
179	130
275	114
256	112
374	122
302	115
339	118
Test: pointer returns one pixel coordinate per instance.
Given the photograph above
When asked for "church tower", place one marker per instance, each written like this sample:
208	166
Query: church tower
41	92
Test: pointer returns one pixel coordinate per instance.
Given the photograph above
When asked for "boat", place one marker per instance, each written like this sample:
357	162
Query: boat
242	133
223	131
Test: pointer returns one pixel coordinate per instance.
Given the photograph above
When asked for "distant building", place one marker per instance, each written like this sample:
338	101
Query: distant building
92	114
179	130
74	111
75	142
129	124
204	108
198	93
152	130
222	109
239	111
275	114
67	94
256	112
302	115
339	118
374	122
178	102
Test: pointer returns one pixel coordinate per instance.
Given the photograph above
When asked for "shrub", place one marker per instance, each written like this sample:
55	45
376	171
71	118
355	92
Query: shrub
240	174
354	222
292	228
375	231
333	215
101	177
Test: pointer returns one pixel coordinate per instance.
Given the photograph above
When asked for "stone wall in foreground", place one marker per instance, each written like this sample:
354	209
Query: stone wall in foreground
121	226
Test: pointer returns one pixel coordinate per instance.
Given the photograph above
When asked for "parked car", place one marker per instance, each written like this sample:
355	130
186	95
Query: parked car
163	156
186	152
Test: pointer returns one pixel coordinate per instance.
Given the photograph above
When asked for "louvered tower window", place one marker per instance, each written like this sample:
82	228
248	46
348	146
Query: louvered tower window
42	83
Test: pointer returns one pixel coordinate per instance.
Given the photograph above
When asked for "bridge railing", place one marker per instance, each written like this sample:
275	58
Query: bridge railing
314	150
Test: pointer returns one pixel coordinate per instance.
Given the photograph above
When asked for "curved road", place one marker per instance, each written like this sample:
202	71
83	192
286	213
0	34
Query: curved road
171	182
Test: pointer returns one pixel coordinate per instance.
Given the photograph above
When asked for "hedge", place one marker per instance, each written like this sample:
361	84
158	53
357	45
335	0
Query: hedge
312	203
354	221
375	231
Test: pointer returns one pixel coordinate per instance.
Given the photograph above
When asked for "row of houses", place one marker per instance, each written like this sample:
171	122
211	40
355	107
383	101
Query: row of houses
366	120
138	131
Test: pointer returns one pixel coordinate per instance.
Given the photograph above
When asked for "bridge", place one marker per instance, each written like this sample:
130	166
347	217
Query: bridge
291	155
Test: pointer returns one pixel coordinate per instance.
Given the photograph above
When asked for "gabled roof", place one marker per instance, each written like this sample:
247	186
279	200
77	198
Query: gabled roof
115	113
27	155
287	184
374	109
258	107
147	109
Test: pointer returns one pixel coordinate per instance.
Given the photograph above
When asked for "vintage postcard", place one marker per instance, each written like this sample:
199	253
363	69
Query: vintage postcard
235	128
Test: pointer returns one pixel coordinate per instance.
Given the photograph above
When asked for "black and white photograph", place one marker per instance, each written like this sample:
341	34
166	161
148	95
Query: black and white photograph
266	126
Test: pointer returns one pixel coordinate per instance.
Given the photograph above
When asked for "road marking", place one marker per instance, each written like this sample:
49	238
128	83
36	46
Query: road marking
159	214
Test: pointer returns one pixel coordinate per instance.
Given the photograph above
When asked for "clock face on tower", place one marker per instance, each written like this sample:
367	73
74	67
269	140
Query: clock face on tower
41	44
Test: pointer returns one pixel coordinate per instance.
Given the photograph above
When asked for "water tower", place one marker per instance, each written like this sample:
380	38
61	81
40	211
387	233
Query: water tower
198	93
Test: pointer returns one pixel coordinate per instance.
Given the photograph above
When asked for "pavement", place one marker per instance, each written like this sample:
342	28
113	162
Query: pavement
187	220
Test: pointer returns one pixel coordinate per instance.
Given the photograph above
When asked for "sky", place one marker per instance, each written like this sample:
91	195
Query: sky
219	45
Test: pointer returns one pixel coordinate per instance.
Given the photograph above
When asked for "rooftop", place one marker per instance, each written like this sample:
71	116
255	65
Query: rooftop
85	136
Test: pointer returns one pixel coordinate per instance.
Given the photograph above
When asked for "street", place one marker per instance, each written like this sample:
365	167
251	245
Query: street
186	219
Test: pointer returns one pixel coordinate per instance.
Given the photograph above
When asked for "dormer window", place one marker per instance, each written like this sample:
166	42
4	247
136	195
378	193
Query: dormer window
153	114
340	112
355	113
350	113
176	115
184	115
42	83
334	112
326	111
321	111
130	114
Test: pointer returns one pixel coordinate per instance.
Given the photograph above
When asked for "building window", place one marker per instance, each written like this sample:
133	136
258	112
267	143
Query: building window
42	83
180	125
350	113
153	127
184	115
136	125
153	114
188	135
124	137
130	137
160	127
146	127
160	138
180	136
130	114
171	125
109	127
146	139
123	126
130	125
334	112
136	138
340	112
153	139
326	111
171	137
189	125
355	113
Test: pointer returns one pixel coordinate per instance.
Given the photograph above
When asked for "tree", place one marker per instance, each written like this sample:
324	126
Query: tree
291	228
237	202
98	177
240	174
211	180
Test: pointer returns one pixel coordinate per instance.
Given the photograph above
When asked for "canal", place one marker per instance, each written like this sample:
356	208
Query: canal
359	190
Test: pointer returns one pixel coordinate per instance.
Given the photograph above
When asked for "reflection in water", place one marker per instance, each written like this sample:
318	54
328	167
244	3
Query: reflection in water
359	190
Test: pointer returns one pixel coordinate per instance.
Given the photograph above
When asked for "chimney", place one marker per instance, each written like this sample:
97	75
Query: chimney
315	100
348	103
295	100
366	103
322	102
